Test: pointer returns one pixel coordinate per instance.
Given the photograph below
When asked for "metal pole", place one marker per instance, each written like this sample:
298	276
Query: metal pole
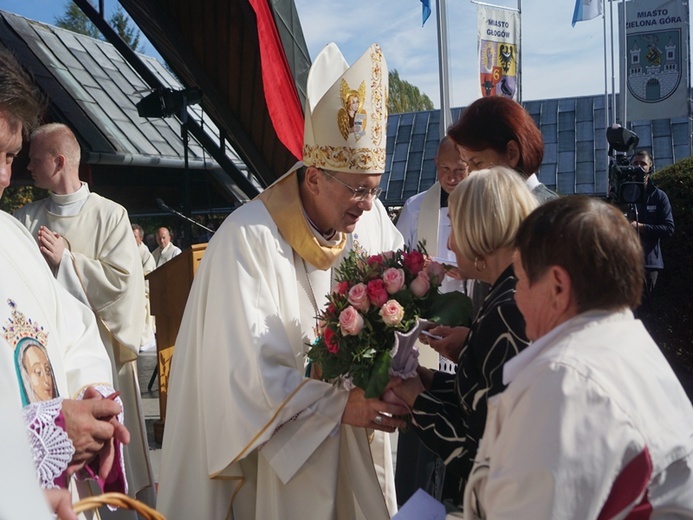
606	82
606	92
624	70
613	63
442	20
519	54
187	205
688	79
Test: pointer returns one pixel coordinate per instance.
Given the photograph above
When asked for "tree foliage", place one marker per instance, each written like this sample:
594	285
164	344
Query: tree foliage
121	24
673	303
405	97
14	197
74	19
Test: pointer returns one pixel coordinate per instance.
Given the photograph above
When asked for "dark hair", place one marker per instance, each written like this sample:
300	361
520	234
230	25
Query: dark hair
20	99
492	122
642	153
593	242
139	229
645	154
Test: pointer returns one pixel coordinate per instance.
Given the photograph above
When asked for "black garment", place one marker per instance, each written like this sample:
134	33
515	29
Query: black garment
417	468
450	417
658	222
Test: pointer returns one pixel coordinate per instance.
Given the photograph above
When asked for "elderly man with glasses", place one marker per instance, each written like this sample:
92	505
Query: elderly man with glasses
248	433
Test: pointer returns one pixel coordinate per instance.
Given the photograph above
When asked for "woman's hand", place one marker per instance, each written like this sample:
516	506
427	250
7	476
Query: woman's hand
409	389
452	341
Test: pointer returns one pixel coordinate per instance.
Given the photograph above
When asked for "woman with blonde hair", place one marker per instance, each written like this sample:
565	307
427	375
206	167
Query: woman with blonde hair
449	410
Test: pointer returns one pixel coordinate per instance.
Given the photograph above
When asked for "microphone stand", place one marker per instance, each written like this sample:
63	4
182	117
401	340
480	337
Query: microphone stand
178	214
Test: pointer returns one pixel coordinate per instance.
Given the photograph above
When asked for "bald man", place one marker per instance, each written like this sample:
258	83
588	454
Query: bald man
166	250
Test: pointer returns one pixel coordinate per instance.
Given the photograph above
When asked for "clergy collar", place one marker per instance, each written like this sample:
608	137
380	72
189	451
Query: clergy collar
327	237
444	196
71	198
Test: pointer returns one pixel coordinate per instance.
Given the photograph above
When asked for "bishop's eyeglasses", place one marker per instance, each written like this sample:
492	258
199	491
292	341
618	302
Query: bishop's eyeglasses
358	194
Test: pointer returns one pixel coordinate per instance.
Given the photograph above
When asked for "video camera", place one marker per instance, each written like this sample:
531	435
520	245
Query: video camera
626	182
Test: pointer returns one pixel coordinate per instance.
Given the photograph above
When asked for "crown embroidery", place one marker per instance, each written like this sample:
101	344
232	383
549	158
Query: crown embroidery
19	327
352	118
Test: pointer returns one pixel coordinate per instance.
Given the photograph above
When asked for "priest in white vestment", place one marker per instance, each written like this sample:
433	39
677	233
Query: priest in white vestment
248	434
166	250
87	240
148	265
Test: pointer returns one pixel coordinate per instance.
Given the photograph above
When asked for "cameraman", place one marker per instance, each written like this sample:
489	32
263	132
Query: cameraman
654	221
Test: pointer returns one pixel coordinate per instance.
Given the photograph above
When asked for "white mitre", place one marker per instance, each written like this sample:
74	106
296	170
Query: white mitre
346	112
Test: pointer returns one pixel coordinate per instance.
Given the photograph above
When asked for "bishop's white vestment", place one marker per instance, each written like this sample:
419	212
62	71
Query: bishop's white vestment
102	266
247	434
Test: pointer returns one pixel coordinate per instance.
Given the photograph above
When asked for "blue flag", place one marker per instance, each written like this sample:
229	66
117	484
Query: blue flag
586	10
425	11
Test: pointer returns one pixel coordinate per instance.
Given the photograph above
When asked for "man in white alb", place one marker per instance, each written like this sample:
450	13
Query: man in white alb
248	433
166	250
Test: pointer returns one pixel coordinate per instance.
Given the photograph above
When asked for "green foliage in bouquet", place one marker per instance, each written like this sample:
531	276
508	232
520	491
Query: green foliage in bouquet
375	297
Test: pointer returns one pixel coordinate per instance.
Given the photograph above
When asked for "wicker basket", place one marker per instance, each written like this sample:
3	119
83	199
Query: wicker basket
117	500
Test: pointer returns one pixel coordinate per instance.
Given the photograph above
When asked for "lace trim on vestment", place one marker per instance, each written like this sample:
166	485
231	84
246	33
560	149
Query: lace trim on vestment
51	448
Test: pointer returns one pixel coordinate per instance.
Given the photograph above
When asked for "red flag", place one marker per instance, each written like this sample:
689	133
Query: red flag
280	90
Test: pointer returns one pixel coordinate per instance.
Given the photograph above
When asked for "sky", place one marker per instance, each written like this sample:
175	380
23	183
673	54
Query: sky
558	60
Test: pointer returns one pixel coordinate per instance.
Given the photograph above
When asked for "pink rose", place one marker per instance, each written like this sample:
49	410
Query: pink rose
394	279
392	313
436	272
330	341
420	285
376	292
413	262
358	297
350	321
341	288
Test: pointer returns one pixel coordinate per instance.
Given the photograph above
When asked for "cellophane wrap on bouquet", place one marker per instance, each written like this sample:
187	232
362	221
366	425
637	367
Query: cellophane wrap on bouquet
375	312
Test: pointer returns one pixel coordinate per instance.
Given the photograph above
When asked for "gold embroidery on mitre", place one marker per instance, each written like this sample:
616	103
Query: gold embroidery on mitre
352	118
378	96
19	327
336	157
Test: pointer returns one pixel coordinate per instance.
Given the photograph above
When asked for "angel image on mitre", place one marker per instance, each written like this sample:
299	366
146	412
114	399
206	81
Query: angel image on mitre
352	117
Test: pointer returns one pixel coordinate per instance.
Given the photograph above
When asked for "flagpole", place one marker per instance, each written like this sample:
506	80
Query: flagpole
624	73
606	81
445	115
606	90
613	64
519	55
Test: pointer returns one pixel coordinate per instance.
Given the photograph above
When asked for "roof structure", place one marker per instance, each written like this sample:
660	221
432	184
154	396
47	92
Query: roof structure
215	46
575	146
92	87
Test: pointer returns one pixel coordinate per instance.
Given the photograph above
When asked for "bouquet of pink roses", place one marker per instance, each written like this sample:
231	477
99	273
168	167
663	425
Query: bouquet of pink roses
374	315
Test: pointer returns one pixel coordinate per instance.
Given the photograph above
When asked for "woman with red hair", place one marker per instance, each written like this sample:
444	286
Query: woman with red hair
497	131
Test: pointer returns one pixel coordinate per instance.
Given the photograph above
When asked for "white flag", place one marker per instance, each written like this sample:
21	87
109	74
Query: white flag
586	10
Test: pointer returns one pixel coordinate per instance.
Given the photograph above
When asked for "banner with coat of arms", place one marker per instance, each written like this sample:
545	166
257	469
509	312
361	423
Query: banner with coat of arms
657	56
498	44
